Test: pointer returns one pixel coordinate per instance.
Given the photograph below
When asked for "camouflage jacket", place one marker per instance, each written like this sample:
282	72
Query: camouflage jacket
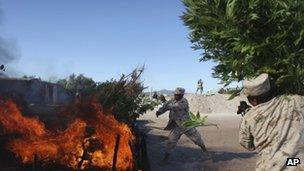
276	130
179	112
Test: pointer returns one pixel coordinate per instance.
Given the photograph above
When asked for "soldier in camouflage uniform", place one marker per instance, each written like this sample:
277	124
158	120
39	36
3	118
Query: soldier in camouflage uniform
179	112
200	86
274	126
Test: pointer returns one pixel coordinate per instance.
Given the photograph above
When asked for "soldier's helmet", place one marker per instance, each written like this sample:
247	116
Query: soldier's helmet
180	91
256	86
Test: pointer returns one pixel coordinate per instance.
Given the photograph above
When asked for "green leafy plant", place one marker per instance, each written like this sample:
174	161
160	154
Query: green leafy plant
247	38
123	97
144	104
195	121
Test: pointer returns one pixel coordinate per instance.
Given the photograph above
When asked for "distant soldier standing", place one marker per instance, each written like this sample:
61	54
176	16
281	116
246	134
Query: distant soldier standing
274	126
200	86
179	112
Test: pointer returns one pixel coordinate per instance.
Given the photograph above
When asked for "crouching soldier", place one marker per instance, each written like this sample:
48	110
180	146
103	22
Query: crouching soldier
274	126
179	112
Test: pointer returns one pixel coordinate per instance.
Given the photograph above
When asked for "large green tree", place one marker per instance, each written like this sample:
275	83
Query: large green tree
249	37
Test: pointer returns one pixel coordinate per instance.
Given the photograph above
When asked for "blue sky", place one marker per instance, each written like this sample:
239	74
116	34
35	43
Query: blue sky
103	39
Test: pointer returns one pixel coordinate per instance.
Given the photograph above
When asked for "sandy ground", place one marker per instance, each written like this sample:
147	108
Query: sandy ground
223	144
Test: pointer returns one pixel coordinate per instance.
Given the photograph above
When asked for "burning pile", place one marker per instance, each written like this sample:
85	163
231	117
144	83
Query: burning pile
87	142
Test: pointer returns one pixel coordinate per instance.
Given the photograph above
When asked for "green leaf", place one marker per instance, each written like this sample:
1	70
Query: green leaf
194	121
297	41
254	16
231	8
245	48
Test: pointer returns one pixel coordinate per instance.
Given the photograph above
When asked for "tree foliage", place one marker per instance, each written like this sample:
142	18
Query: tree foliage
77	83
123	97
249	37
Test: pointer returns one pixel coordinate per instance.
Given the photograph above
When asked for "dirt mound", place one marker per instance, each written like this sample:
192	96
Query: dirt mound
217	103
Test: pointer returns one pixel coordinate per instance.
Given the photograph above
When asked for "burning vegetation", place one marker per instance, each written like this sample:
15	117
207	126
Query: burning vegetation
92	130
85	143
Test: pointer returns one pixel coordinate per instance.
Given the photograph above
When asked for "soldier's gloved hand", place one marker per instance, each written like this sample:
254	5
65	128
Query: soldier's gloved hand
157	113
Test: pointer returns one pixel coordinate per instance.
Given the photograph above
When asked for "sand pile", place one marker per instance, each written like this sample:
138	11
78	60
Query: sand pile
218	103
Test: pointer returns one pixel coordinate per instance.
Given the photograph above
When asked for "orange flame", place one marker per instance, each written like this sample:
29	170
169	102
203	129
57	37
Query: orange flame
71	147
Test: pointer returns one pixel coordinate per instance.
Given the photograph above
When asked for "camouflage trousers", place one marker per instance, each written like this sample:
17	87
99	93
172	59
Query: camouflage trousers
176	134
199	89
